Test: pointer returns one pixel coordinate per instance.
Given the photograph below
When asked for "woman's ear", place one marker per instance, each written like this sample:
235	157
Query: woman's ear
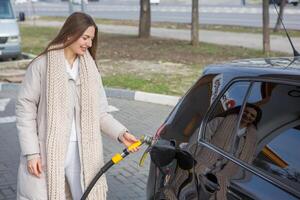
68	41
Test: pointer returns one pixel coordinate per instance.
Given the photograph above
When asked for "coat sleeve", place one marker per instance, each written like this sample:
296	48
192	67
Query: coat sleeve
109	125
212	127
26	110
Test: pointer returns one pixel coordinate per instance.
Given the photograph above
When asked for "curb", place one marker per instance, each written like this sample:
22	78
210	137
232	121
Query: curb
18	64
119	93
9	86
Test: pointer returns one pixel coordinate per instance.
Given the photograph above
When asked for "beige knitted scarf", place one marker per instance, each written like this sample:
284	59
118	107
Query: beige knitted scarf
58	131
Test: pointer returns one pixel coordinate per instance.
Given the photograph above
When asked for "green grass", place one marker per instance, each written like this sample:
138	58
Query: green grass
171	80
133	82
153	82
35	39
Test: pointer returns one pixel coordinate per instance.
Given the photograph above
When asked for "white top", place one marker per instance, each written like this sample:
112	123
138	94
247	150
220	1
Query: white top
241	132
73	71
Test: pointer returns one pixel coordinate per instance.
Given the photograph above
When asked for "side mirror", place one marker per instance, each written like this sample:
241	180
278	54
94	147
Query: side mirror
21	16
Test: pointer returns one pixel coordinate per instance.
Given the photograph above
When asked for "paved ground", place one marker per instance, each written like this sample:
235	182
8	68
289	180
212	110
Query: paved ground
248	40
126	180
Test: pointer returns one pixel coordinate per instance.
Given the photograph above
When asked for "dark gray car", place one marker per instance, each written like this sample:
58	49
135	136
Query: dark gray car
241	124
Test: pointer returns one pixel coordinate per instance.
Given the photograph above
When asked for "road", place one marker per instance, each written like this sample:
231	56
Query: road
223	14
125	180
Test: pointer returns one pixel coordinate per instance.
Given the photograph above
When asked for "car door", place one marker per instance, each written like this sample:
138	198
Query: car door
275	159
249	140
184	120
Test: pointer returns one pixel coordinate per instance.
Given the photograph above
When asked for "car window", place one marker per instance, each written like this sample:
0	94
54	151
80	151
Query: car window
185	119
257	123
6	10
221	126
268	134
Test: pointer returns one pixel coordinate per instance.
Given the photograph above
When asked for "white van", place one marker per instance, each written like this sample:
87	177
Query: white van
10	41
156	2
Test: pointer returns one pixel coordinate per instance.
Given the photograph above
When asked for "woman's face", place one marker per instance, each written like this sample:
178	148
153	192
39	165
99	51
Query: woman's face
249	115
84	42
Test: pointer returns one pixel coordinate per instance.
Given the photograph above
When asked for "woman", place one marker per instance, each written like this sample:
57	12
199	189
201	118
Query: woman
61	111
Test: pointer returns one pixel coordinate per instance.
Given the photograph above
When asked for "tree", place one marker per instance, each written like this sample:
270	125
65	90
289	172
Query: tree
82	5
195	23
266	22
70	7
278	23
145	19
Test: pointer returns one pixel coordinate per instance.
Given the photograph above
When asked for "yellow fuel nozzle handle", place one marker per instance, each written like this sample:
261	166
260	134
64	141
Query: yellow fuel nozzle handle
145	139
134	145
118	157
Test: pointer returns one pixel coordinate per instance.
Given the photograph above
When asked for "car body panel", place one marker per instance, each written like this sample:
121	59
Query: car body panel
204	94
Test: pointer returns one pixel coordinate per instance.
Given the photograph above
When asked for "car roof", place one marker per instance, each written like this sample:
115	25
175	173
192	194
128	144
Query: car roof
258	67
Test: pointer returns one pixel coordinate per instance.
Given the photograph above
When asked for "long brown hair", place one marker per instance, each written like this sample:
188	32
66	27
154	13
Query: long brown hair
73	28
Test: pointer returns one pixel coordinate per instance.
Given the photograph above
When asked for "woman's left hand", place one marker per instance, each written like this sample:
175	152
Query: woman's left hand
128	139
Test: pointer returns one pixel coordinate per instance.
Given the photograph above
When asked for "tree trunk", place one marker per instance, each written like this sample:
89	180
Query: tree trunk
266	22
195	23
145	19
278	23
70	7
82	6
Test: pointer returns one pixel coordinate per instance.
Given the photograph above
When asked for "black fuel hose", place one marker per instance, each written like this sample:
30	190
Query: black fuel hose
114	160
95	179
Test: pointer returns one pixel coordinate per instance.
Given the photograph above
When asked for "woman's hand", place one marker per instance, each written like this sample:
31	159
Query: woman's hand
128	139
34	167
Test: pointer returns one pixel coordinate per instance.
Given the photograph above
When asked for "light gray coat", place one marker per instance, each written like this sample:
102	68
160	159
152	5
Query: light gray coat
31	113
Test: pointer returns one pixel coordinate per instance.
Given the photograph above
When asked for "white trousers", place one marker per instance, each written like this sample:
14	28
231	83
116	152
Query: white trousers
72	170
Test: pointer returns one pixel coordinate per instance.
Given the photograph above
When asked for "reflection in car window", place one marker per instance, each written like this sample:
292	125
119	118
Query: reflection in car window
246	138
277	135
220	131
226	113
187	117
281	159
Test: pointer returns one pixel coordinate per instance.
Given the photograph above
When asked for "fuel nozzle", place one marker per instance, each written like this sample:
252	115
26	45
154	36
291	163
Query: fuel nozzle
147	139
144	140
